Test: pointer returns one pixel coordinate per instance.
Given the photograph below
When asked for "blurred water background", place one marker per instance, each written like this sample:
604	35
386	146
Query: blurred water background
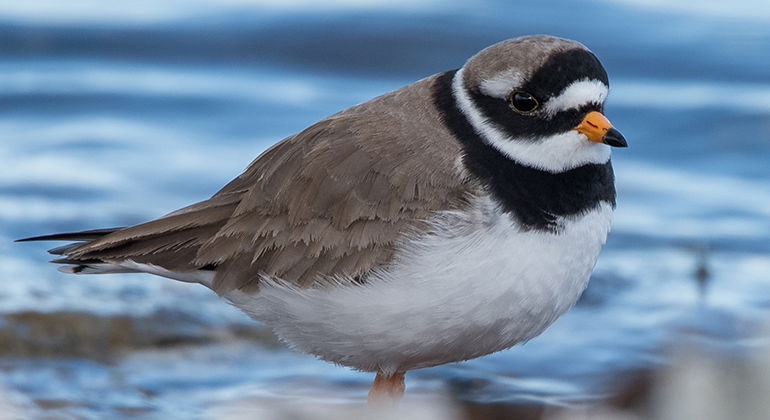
111	115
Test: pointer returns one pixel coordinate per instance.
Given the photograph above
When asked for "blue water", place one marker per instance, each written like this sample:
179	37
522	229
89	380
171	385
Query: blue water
111	116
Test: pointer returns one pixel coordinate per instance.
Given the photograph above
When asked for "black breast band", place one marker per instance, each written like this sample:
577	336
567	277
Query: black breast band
536	198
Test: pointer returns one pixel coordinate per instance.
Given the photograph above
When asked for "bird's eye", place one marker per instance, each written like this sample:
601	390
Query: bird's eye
523	102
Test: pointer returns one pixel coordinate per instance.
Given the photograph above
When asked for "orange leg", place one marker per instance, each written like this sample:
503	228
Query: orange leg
387	390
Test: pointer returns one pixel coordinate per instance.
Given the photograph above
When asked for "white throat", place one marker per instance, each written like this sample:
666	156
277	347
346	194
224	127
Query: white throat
556	153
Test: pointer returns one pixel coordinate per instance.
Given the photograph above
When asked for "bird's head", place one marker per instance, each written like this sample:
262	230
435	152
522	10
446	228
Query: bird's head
539	100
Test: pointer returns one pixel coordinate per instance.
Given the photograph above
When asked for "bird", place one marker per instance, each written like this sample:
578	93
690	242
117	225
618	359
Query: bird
446	220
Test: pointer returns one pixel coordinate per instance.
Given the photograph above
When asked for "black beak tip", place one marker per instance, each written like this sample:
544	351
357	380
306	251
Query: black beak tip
614	138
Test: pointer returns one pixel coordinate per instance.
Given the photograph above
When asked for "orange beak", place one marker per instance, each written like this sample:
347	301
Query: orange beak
598	129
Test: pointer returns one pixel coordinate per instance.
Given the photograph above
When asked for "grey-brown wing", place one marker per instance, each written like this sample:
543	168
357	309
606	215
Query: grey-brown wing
331	200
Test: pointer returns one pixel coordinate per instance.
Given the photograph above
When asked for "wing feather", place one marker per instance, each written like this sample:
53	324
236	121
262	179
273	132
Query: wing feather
328	202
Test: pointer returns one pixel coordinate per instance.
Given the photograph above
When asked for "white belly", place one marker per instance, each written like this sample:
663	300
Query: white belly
476	285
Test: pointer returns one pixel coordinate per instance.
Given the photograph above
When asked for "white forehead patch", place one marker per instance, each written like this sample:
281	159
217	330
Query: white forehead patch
501	85
577	94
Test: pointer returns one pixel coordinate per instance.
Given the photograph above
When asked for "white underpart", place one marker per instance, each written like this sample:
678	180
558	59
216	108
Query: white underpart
577	94
475	285
557	153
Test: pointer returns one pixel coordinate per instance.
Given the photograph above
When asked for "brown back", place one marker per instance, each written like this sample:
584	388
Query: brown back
330	200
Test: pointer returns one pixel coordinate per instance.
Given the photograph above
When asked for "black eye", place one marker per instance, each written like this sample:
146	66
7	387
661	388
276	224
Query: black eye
523	102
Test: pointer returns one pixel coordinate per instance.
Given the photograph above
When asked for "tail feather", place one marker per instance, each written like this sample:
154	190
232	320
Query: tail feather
65	249
167	246
76	261
80	238
98	268
86	235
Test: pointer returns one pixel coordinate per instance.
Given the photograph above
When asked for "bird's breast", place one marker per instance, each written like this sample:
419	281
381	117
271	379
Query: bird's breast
481	283
475	284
